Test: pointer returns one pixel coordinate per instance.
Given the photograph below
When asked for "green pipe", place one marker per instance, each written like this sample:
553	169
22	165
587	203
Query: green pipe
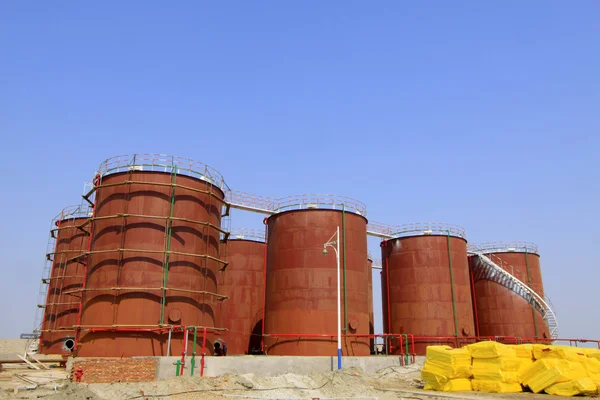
194	350
167	256
452	287
535	324
406	358
178	367
344	250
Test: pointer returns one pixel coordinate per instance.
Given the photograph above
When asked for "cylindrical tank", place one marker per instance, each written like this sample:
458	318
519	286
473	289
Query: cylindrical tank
66	275
429	286
243	283
154	256
370	300
301	292
501	311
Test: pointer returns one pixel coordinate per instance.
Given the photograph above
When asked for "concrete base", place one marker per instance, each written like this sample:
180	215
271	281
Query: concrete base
273	365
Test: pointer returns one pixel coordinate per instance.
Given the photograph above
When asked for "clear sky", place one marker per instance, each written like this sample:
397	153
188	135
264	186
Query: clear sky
481	114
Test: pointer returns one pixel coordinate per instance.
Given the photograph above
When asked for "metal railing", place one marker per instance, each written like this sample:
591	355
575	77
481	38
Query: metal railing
320	201
505	247
163	163
248	234
428	228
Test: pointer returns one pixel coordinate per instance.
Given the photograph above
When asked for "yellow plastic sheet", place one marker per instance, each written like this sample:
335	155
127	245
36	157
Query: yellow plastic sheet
592	367
490	350
453	385
495	386
525	364
523	350
541	351
584	386
546	372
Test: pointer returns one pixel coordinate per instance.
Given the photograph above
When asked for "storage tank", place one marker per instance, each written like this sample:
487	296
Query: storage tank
427	280
154	257
500	310
243	283
301	292
66	277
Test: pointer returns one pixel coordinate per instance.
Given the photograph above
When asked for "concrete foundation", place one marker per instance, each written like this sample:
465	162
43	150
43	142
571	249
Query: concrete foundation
273	365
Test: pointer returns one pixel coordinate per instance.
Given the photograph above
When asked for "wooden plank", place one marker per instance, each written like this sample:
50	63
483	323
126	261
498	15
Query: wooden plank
28	362
38	361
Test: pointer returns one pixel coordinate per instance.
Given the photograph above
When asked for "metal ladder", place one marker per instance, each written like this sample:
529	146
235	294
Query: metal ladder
487	269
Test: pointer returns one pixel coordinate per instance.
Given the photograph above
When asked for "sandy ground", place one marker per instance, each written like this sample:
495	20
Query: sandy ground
10	347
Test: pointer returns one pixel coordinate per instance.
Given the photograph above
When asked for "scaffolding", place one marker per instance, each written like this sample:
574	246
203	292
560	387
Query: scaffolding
55	304
138	178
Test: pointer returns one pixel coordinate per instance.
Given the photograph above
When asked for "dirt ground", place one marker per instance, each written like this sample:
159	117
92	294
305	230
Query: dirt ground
386	384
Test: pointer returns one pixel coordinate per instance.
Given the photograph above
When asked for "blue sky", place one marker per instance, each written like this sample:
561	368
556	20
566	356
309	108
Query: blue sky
482	114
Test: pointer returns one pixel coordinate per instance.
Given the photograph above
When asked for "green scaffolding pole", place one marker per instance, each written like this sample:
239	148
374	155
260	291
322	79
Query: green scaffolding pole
535	324
167	254
452	287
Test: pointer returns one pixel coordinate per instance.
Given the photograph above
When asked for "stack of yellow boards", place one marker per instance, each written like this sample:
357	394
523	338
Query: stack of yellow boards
498	368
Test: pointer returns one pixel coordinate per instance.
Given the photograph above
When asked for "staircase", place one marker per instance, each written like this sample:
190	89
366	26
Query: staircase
485	268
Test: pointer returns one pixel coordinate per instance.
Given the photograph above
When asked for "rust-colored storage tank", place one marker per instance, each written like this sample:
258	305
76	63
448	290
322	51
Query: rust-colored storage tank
301	292
243	283
429	285
66	276
154	256
501	311
370	300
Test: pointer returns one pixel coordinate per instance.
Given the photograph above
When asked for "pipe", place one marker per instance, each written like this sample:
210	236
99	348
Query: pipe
339	322
535	324
184	351
169	342
203	352
344	248
168	252
474	298
452	287
194	351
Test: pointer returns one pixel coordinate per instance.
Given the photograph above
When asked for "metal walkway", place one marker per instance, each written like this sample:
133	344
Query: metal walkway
485	268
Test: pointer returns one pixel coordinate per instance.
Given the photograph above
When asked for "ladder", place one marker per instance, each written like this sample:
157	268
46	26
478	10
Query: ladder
485	268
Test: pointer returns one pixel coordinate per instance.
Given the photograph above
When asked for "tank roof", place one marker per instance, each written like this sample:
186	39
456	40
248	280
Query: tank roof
247	234
427	228
72	212
163	163
321	202
505	247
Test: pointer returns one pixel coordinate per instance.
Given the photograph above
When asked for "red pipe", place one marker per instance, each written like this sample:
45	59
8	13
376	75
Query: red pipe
474	297
262	343
203	353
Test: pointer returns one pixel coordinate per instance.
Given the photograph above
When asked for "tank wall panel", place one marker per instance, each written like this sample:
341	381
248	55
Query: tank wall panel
301	283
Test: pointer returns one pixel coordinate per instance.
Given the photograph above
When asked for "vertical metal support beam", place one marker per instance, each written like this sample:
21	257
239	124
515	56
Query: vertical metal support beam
452	286
168	250
344	250
530	282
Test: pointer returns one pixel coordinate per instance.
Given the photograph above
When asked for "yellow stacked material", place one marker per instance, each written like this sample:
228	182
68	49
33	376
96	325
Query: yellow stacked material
495	386
547	372
448	362
594	354
525	363
523	350
490	350
502	369
541	351
589	351
584	386
453	385
592	367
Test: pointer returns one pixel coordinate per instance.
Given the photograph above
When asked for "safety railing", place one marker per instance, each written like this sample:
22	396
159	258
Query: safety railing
250	201
73	212
248	234
163	163
428	228
505	247
320	201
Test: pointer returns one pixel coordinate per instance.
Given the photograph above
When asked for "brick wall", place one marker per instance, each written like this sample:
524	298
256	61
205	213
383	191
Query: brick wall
107	370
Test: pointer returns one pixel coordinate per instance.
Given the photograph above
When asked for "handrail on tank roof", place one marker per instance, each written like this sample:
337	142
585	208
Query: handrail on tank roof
163	163
505	247
320	201
428	228
74	211
247	233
